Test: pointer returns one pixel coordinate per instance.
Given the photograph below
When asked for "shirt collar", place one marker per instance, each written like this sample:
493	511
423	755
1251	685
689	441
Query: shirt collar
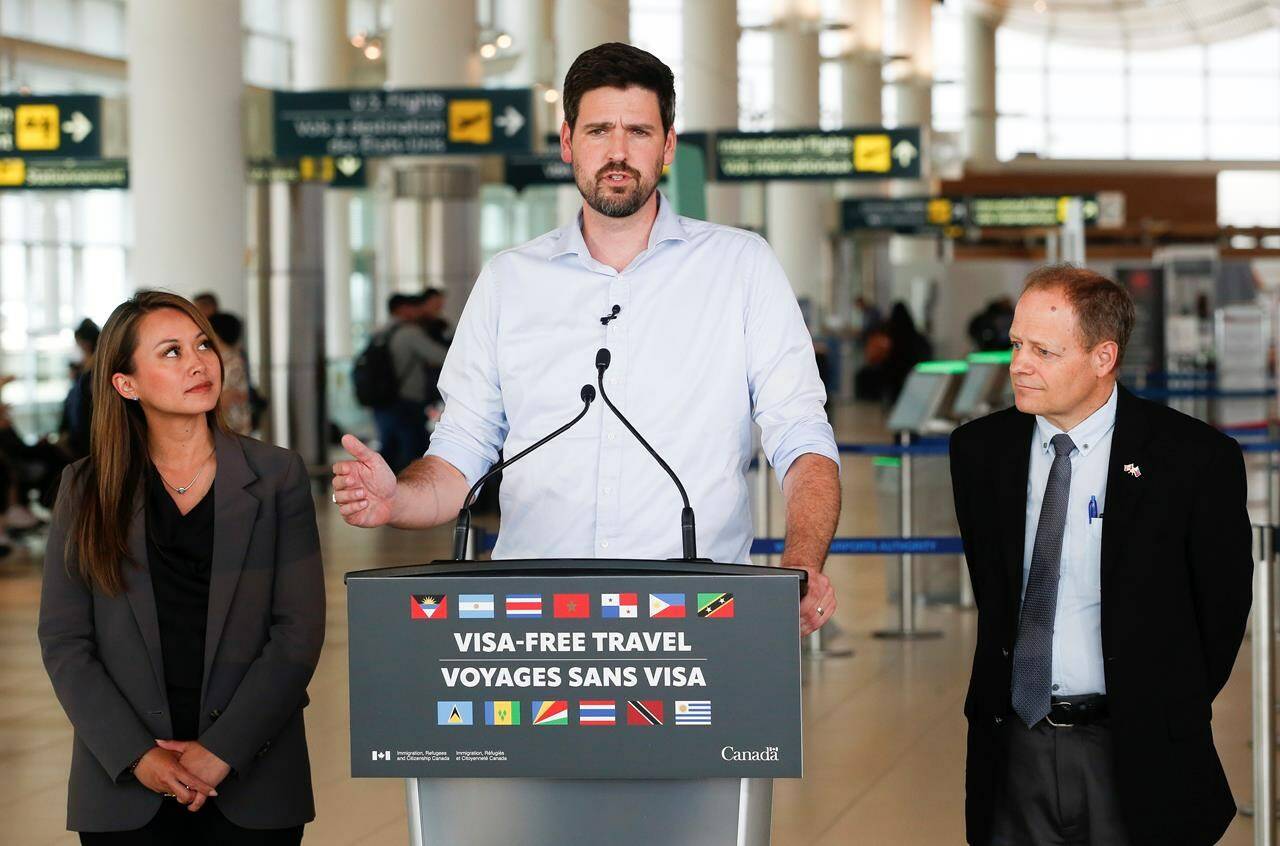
666	227
1086	433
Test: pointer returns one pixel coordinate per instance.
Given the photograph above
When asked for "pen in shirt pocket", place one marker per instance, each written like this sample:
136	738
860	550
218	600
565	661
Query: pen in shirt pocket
1093	510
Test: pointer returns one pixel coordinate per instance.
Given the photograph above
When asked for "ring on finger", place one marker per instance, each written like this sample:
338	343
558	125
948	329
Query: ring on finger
819	610
168	796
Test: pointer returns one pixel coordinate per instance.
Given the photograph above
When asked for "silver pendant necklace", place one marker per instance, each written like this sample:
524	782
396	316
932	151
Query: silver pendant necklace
187	486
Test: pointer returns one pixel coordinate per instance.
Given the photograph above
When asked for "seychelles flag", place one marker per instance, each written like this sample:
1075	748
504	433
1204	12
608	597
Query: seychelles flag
553	712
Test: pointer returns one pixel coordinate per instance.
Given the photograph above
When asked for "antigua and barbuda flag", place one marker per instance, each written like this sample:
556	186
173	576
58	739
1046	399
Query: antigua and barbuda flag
615	605
475	606
502	713
428	606
664	606
597	712
644	712
451	713
524	605
696	712
551	712
718	605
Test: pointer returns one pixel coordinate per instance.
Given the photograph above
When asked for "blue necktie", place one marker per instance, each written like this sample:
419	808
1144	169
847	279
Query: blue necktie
1033	651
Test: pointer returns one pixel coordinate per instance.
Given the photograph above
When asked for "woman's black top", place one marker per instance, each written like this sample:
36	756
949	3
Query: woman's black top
179	555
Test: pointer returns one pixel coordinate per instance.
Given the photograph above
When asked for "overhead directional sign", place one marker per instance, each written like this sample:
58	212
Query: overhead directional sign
921	214
547	169
870	153
63	175
371	123
342	172
51	127
1024	212
905	214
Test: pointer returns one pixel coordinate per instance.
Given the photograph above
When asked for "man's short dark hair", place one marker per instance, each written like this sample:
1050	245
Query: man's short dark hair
617	65
395	302
430	294
1104	310
208	296
87	332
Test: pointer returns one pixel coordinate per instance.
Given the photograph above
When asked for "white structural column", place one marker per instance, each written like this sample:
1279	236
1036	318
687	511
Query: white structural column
579	26
979	88
322	60
186	147
913	90
797	214
710	39
436	208
532	25
861	66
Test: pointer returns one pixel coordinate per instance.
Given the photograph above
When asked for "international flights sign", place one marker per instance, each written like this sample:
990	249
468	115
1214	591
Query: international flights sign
64	127
868	153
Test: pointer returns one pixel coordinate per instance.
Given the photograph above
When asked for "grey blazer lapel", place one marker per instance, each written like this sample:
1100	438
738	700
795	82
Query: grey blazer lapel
142	597
234	512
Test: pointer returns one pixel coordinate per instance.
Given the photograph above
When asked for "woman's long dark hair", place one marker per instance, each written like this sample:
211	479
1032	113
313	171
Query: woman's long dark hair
109	479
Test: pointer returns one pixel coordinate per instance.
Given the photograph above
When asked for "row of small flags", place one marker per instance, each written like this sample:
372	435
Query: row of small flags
525	606
591	712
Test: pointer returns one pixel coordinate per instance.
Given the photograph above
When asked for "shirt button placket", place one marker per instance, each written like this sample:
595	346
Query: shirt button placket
611	449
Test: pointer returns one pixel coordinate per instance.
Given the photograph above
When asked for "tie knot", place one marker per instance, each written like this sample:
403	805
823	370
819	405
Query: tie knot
1062	444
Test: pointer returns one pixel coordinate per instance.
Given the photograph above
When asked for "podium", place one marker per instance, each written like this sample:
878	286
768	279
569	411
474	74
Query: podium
566	701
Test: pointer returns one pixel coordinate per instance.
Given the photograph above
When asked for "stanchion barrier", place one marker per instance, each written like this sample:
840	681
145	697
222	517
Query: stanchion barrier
1263	808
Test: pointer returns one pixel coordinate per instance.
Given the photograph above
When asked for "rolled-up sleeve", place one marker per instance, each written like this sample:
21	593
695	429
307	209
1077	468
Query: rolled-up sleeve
474	425
787	395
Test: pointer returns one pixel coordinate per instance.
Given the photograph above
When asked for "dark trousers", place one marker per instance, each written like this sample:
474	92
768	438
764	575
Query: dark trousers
1058	787
402	430
174	825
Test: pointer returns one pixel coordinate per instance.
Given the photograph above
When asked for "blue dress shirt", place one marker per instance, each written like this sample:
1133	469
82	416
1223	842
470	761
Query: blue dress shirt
708	339
1077	631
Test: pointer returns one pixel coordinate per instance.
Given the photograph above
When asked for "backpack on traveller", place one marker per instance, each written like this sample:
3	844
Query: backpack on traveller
374	373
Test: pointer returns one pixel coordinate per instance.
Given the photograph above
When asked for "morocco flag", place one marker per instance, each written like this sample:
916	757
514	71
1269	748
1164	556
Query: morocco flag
573	605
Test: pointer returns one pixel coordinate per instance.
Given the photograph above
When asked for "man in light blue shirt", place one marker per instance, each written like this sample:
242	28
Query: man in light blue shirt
706	340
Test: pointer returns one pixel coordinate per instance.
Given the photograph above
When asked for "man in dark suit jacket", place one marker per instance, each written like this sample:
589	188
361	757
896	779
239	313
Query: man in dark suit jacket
1109	548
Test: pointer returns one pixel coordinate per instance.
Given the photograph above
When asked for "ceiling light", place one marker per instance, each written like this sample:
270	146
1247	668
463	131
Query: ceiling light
503	41
373	51
488	51
551	95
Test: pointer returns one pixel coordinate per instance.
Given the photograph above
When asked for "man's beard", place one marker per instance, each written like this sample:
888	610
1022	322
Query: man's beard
608	202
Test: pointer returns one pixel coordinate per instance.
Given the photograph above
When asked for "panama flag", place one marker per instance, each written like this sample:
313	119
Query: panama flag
666	605
693	713
644	712
428	606
502	713
453	713
554	712
596	712
615	605
475	606
573	605
527	605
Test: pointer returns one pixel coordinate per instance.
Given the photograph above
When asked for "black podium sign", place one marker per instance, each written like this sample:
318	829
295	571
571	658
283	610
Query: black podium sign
575	669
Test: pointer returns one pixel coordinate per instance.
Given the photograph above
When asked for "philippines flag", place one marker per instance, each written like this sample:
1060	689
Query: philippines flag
524	605
573	605
615	605
664	606
596	712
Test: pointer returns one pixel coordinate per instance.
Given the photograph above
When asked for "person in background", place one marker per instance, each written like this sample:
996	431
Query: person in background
235	378
402	425
207	302
182	610
432	317
907	348
77	409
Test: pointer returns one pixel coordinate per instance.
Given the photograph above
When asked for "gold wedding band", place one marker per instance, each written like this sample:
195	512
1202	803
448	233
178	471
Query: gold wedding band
168	795
334	498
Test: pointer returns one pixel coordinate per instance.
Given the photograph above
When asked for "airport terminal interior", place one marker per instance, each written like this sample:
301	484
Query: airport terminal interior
302	162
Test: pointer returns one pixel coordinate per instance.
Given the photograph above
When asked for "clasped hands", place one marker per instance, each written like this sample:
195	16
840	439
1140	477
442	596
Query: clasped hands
183	769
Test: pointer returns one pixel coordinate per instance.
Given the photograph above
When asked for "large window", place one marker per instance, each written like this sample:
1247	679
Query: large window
1219	102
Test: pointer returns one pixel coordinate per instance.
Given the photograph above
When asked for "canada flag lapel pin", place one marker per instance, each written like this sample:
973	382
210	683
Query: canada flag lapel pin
1133	470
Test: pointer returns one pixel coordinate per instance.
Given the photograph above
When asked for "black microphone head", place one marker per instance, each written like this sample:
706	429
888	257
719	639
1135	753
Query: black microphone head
588	394
603	358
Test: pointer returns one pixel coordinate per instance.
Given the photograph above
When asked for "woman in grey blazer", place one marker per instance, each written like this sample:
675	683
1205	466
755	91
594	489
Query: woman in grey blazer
183	605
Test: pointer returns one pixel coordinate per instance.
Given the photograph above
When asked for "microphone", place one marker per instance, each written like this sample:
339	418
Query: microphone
687	531
612	315
462	528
